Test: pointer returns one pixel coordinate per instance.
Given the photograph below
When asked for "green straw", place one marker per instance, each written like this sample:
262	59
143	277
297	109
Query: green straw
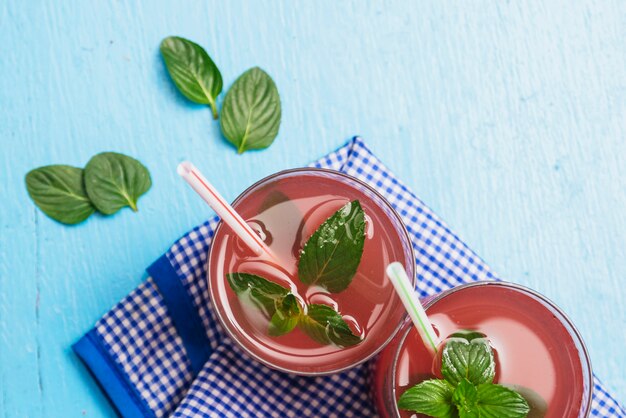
410	299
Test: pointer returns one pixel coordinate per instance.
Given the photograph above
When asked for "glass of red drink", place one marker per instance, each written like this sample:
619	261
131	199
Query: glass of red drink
285	209
538	351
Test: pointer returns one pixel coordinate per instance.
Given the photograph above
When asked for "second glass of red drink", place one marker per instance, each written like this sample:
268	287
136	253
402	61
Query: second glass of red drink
537	352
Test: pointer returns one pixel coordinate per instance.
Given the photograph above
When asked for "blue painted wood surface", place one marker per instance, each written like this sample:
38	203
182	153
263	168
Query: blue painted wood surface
508	118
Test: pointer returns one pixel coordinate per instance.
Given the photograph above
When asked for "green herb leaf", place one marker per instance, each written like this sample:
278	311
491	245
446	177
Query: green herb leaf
286	316
431	397
468	335
471	360
192	70
498	401
263	293
59	191
537	405
465	397
332	255
115	180
326	326
251	111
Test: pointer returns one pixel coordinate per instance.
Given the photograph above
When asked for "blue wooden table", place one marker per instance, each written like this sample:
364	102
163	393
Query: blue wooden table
509	119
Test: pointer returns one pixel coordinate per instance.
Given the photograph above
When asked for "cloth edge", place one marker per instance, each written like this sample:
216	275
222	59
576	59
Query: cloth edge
113	383
186	319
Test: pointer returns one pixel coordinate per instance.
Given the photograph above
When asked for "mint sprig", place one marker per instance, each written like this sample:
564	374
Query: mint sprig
329	259
320	322
468	391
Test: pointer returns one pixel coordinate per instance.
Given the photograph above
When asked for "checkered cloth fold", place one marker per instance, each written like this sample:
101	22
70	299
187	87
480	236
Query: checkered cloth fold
152	361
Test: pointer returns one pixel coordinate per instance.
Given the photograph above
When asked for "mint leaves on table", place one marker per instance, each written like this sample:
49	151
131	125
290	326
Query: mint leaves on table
468	391
331	256
251	111
58	190
329	259
70	195
192	70
115	180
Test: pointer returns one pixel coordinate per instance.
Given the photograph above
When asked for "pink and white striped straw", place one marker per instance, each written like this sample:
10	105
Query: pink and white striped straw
225	211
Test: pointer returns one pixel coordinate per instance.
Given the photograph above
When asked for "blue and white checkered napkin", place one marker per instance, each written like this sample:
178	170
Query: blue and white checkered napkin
161	352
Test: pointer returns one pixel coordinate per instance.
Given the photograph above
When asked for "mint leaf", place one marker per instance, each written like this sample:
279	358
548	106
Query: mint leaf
538	406
465	397
195	74
332	255
263	293
468	335
58	190
325	325
114	180
498	401
471	360
431	397
251	112
286	316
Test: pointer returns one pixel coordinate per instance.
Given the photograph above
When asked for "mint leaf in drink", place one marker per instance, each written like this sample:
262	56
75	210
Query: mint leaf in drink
499	401
325	325
471	360
251	112
193	71
115	180
59	191
266	295
332	254
465	397
431	397
537	405
286	316
468	335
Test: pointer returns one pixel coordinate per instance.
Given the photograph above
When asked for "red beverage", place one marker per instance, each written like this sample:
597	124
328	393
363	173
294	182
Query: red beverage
538	352
286	209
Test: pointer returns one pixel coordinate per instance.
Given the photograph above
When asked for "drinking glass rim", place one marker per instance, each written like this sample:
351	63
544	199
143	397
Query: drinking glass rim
403	234
564	319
